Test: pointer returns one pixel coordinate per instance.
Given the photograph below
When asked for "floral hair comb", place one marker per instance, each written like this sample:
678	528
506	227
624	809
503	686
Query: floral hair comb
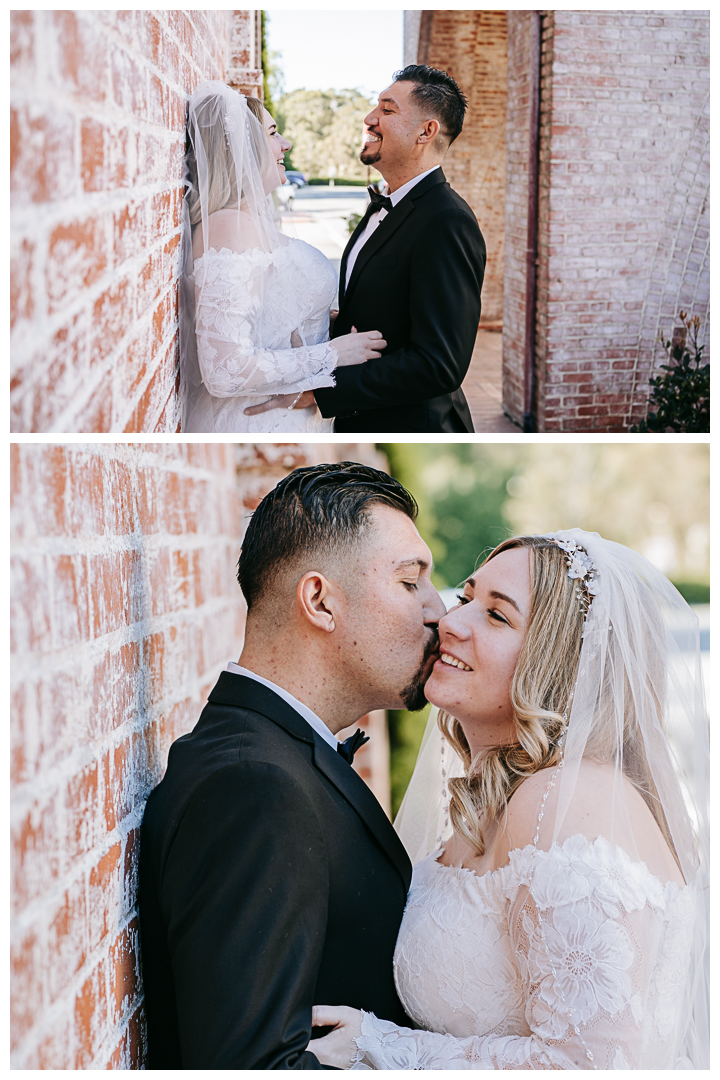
581	568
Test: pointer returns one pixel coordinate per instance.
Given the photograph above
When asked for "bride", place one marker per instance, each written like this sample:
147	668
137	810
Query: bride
254	304
557	914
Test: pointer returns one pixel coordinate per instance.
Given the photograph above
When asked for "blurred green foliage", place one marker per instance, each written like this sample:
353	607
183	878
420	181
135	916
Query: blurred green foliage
694	592
406	731
325	128
654	498
461	491
268	61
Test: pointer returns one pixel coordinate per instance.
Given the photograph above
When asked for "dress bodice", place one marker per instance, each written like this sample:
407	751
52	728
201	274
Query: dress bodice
247	306
574	957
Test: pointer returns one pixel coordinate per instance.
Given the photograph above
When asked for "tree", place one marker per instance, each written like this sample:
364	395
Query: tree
270	68
325	128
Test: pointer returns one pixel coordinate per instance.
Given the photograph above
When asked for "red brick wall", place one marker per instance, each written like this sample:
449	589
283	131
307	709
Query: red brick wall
624	206
97	139
472	47
124	610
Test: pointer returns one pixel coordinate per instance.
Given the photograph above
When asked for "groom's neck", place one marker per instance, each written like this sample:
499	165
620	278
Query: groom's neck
305	677
404	172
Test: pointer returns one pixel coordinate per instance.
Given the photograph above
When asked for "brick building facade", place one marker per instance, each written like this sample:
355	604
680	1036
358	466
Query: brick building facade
98	112
586	159
125	608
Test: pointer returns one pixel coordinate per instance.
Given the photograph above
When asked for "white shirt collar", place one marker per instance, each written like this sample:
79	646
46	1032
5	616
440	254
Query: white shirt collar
307	714
396	196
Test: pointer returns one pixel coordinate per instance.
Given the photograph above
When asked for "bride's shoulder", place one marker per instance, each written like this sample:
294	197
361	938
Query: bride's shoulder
230	230
603	805
592	795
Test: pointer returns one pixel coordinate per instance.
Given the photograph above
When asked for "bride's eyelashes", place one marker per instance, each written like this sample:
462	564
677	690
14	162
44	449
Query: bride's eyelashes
411	585
462	599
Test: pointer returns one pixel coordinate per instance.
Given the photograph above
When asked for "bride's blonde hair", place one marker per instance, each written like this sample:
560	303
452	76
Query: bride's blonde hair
541	695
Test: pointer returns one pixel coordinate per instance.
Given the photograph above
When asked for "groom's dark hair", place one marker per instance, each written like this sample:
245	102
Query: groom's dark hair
439	93
322	508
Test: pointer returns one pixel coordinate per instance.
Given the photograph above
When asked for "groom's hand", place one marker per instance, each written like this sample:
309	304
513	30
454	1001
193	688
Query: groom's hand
333	316
338	1049
283	401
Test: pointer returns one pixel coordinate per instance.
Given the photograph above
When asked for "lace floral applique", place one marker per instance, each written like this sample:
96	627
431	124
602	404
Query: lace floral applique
558	960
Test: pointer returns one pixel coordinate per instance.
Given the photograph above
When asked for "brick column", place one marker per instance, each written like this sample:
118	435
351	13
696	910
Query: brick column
125	608
624	223
520	27
244	66
472	47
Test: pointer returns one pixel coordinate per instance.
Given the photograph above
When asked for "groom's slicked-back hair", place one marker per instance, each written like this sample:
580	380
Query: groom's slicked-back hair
439	92
323	510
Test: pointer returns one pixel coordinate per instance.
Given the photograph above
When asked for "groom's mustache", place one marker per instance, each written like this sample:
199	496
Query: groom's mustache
413	696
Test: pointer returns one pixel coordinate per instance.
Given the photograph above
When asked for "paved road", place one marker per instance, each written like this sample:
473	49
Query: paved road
319	216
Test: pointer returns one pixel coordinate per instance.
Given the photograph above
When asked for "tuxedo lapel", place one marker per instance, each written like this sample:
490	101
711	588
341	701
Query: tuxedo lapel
348	248
348	783
388	227
240	692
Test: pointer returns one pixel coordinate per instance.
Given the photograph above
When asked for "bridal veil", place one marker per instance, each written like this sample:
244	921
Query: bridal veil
638	707
229	176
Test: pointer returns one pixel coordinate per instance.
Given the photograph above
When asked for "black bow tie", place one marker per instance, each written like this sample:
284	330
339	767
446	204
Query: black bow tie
349	748
379	202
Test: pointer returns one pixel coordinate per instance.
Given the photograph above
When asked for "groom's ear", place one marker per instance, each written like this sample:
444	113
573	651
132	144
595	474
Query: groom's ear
317	599
430	130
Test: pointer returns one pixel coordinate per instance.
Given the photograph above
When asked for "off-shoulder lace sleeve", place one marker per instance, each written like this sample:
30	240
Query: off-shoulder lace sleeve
601	948
232	362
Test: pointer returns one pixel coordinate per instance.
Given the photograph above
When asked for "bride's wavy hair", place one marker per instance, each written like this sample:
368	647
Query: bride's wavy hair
222	177
541	695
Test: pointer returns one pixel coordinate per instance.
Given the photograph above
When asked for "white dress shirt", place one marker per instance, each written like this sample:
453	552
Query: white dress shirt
307	714
375	220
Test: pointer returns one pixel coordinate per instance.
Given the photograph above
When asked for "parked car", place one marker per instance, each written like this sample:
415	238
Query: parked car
297	178
284	194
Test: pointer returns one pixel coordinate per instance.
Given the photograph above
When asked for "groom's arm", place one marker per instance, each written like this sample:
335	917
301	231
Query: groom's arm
446	278
245	897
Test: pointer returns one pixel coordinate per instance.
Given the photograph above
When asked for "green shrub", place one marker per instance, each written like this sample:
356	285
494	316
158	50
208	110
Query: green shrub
694	592
680	399
339	181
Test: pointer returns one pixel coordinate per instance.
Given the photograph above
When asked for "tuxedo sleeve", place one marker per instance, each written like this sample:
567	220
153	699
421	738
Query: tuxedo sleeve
244	894
448	265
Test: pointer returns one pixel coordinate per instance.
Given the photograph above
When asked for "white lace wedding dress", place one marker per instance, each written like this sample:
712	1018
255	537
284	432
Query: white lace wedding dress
244	348
570	958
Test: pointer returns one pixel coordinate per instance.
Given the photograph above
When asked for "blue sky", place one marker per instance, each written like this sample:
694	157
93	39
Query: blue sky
323	50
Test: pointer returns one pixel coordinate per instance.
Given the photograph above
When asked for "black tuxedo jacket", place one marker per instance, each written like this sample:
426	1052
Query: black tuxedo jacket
270	880
418	280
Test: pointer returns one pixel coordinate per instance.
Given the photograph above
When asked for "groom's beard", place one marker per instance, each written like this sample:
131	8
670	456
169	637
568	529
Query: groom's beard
413	696
371	153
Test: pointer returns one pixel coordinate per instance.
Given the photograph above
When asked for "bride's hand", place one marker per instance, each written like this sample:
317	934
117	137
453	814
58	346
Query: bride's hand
355	348
283	401
338	1048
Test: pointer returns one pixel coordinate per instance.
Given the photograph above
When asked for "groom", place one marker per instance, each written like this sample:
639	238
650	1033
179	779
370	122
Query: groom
270	878
412	269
